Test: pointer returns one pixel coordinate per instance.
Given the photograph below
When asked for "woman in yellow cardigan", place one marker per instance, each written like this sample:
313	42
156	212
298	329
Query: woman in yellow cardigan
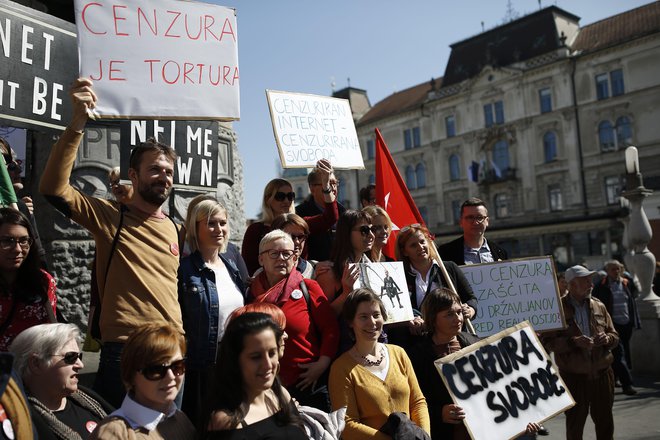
373	380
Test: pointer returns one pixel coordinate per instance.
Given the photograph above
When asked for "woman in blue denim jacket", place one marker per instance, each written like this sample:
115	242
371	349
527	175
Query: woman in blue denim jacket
210	288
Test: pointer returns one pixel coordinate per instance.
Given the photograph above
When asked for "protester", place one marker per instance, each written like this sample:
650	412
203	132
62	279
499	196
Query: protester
247	400
137	245
13	400
472	247
443	320
381	226
27	292
358	377
49	360
152	369
273	311
353	241
297	228
618	294
310	323
210	289
368	195
583	356
423	274
278	199
322	185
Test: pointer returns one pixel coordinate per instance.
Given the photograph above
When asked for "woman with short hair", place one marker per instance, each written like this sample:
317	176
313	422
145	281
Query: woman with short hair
48	359
152	370
297	228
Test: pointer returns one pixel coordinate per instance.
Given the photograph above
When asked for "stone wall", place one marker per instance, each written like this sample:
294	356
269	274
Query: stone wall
70	248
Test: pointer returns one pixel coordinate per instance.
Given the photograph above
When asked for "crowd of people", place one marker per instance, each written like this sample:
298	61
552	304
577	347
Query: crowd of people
199	340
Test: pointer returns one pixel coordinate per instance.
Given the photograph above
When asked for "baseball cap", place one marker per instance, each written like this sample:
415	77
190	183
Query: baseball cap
577	272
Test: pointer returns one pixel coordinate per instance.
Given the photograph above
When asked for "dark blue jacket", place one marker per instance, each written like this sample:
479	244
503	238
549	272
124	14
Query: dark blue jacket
198	298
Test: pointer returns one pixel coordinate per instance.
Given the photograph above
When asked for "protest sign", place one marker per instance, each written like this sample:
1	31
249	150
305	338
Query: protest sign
388	280
513	291
170	59
309	128
39	62
195	142
503	383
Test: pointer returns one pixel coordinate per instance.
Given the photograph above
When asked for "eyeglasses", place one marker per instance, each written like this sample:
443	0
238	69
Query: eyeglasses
298	237
280	196
9	243
275	254
70	357
157	372
364	230
478	219
409	227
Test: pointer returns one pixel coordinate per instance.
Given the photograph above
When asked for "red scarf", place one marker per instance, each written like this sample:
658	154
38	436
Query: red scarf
280	292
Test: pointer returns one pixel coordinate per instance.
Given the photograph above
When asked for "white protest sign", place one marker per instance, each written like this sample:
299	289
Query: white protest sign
168	59
388	280
503	383
512	291
308	128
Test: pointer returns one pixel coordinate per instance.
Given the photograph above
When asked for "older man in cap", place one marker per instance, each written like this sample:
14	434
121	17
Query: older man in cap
583	352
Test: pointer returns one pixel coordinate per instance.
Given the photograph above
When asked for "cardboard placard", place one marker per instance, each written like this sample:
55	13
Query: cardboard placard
388	280
308	128
167	59
504	382
512	291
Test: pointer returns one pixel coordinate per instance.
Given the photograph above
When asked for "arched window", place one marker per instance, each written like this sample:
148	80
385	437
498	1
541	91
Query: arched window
501	205
420	171
372	179
454	167
623	132
410	177
550	146
501	157
606	136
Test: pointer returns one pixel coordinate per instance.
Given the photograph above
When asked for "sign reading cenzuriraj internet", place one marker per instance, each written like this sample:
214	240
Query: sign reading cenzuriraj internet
165	59
512	291
503	383
308	128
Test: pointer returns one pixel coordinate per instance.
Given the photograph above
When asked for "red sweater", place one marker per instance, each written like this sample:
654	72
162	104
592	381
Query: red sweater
308	338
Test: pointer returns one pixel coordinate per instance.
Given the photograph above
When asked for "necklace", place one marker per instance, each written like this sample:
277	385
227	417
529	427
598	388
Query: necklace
370	363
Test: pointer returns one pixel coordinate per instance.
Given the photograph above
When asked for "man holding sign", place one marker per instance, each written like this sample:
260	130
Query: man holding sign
137	245
583	353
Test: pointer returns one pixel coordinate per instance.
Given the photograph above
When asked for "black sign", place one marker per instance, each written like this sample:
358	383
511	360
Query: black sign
39	62
195	143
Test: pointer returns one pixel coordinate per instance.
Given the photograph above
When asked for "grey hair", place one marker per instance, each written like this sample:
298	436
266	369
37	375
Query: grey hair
609	263
276	234
42	341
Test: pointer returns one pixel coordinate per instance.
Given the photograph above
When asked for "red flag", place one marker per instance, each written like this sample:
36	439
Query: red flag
392	194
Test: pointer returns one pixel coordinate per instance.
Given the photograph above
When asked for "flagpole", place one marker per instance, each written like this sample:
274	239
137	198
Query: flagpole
450	283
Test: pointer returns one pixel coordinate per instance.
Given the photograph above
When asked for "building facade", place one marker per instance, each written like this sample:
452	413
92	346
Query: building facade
532	117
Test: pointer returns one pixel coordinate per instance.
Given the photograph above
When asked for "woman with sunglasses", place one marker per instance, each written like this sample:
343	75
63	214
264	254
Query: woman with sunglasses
48	359
297	228
310	322
152	369
382	228
27	293
210	289
278	199
353	241
247	400
414	246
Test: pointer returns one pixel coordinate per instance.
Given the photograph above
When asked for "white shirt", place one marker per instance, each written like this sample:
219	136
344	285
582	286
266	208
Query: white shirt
139	416
422	284
229	297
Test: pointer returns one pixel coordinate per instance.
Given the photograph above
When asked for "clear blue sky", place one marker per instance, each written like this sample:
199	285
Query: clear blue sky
383	46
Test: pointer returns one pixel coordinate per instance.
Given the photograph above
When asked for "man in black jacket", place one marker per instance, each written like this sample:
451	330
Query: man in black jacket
472	247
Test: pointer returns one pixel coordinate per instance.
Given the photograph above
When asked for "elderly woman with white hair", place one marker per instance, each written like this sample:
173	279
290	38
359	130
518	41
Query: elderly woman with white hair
210	289
310	322
48	359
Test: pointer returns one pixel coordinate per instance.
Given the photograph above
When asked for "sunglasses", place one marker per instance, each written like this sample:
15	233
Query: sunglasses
298	237
414	225
280	196
70	357
157	372
365	230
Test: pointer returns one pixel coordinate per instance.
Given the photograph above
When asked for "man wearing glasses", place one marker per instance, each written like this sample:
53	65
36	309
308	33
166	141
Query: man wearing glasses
319	244
472	247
